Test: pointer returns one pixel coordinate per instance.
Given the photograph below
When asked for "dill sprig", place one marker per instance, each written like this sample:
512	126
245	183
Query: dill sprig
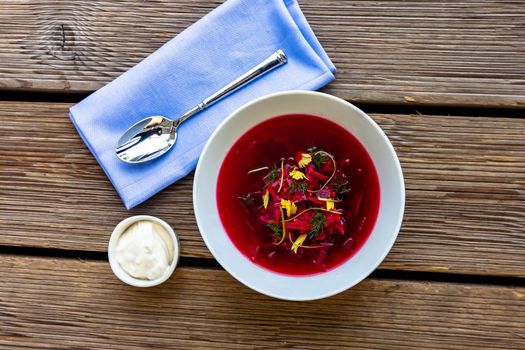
276	229
292	189
319	156
272	176
317	223
302	186
247	200
340	186
318	159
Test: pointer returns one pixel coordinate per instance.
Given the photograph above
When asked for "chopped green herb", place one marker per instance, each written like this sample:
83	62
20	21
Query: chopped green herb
247	200
319	157
275	228
340	186
302	186
317	224
272	176
292	188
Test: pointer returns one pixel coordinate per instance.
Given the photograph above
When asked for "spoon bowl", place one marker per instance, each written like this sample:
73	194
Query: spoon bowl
147	139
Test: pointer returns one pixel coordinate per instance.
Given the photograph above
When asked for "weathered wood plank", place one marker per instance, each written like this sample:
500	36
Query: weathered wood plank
416	52
465	179
64	304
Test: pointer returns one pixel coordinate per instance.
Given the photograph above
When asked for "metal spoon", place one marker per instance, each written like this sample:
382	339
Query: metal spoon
153	136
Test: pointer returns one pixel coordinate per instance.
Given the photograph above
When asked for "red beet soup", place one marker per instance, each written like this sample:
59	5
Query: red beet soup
298	195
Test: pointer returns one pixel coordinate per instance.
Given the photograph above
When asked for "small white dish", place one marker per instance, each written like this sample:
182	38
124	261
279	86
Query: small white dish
391	207
119	271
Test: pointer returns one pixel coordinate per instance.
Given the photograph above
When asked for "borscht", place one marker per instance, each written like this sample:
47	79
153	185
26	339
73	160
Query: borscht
298	194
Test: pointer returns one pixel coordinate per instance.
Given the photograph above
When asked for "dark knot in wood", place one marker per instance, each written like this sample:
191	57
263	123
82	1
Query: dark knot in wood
61	40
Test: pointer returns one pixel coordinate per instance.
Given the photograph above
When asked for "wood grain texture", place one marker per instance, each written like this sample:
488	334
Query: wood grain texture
410	52
465	180
70	304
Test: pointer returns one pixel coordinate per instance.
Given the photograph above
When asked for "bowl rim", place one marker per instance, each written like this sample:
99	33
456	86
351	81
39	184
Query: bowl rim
344	286
119	271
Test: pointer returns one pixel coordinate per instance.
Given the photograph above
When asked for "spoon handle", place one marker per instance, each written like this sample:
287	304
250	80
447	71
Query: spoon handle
275	60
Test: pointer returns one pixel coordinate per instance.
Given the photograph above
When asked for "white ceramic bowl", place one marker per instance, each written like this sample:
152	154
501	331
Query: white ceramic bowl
392	195
117	269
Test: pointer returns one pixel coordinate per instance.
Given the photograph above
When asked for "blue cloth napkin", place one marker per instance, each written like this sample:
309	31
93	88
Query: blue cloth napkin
218	48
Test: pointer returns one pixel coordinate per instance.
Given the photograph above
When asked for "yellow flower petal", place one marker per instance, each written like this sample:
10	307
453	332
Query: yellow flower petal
290	207
266	199
293	209
306	158
297	175
330	203
298	242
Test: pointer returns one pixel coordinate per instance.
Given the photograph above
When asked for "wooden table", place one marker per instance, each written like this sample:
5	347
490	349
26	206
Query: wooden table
445	80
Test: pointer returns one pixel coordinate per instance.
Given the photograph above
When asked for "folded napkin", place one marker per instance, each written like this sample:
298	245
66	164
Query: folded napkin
218	48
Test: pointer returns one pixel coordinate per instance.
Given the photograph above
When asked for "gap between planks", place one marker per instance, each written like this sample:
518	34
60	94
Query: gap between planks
210	263
494	111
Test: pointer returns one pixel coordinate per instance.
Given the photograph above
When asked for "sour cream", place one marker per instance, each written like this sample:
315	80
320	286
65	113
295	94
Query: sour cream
145	250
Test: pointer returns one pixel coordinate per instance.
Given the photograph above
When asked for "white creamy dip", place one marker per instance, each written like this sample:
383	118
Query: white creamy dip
145	250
